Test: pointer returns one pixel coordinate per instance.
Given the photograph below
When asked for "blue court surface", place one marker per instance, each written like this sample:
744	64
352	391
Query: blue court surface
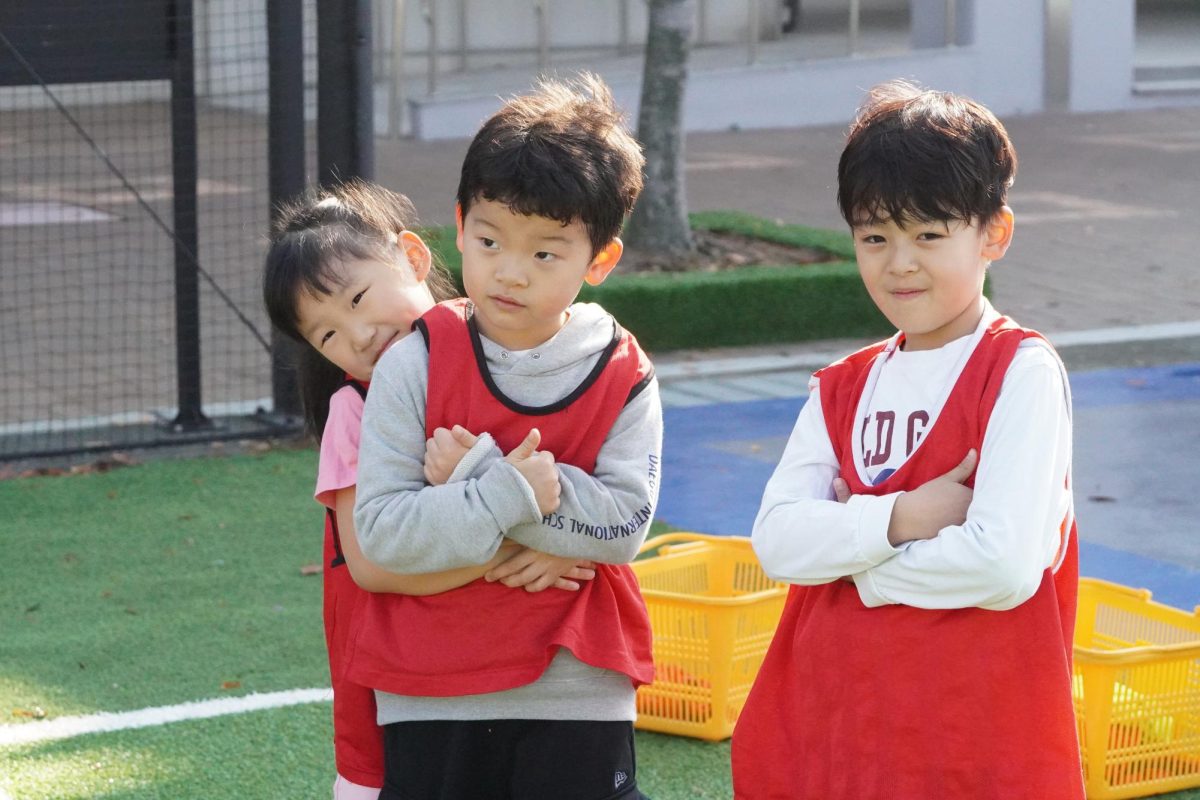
1137	485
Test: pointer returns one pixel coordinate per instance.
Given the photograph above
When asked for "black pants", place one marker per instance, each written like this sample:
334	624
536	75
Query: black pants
510	759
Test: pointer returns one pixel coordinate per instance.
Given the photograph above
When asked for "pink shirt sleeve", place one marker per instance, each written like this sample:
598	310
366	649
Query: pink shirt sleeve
338	467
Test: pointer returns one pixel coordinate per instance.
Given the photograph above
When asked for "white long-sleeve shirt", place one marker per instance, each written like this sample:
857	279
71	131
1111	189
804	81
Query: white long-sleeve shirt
994	560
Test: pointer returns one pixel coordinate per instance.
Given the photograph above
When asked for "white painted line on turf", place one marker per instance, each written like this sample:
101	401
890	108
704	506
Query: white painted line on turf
67	727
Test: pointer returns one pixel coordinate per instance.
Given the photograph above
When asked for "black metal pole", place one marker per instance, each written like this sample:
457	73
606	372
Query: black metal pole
345	105
285	162
184	163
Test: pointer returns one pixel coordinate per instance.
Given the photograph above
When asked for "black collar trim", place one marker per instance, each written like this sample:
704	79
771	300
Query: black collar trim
539	411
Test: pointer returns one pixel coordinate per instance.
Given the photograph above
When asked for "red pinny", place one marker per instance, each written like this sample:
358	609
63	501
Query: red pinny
910	704
357	739
485	637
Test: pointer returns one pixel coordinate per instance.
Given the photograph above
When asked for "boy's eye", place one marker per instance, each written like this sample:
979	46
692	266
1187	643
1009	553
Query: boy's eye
929	236
872	238
328	335
543	256
487	243
357	298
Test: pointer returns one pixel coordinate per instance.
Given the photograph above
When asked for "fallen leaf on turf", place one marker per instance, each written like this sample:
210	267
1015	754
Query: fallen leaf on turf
231	685
37	712
310	569
42	472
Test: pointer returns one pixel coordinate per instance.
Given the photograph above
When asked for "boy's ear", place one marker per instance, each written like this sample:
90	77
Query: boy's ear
604	262
458	224
998	233
417	253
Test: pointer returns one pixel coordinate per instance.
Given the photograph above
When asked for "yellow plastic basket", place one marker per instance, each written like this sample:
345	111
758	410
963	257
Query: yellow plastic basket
713	612
1137	692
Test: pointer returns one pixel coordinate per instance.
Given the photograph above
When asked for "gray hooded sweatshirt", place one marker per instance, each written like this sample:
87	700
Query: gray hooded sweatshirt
407	526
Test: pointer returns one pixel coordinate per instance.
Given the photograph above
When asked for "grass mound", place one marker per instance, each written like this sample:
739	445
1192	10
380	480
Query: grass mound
753	304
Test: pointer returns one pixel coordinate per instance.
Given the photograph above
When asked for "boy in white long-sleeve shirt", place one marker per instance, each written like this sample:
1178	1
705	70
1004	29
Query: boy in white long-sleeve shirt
925	647
516	414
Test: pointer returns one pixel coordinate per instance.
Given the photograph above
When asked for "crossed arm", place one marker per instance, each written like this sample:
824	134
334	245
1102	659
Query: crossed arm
928	548
374	579
528	569
404	523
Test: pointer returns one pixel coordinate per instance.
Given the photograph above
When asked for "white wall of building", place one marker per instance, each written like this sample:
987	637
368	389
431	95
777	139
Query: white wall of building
1000	63
1016	56
1100	46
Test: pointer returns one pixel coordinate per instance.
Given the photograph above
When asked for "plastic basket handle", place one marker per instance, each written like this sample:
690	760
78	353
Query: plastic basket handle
664	541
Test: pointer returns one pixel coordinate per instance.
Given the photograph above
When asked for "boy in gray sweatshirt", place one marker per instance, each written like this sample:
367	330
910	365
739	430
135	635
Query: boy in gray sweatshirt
520	415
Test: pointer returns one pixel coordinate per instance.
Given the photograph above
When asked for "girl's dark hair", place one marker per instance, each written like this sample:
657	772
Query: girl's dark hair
310	237
560	152
915	155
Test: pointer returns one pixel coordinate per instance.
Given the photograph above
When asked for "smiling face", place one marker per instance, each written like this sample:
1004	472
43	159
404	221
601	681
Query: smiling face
523	271
372	307
927	277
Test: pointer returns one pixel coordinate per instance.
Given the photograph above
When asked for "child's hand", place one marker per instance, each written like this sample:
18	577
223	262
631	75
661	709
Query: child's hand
933	505
444	450
537	467
537	571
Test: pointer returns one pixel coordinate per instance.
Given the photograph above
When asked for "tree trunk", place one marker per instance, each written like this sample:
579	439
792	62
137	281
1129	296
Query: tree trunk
659	223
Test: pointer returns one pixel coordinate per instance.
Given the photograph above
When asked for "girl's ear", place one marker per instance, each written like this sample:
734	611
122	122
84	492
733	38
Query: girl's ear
604	262
417	253
998	233
458	223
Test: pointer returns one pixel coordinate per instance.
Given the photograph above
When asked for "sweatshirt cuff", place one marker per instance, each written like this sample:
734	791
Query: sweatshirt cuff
871	528
867	592
508	496
875	515
474	457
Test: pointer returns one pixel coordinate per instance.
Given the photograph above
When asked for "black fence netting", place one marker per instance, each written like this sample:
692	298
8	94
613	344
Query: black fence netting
133	212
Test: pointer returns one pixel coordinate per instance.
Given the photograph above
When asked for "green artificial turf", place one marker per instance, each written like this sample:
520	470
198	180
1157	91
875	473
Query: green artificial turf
262	755
266	755
174	581
677	768
161	583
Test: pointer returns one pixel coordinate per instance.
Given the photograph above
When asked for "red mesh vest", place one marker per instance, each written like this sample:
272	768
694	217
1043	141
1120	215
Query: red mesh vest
486	637
357	740
909	704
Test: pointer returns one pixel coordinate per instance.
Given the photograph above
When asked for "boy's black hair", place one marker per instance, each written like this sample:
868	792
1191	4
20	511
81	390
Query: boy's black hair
310	237
560	152
919	156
